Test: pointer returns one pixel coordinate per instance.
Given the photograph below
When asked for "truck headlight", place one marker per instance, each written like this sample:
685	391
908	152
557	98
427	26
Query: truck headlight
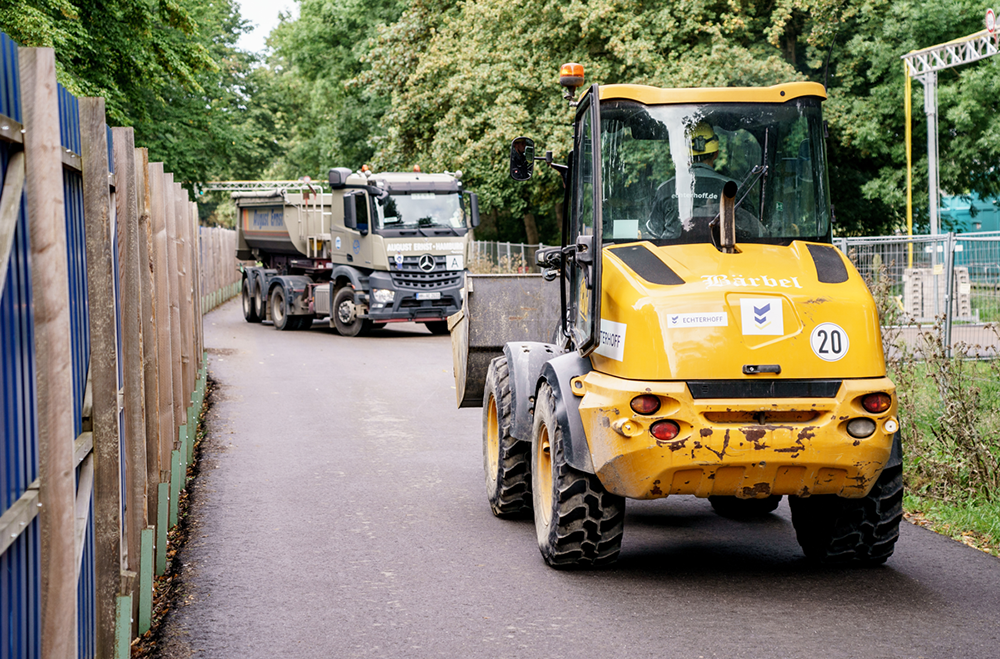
383	296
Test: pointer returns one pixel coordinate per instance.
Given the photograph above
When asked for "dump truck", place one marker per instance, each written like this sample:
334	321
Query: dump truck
700	335
375	249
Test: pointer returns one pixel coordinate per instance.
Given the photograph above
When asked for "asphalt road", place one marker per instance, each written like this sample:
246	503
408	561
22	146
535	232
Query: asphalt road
341	512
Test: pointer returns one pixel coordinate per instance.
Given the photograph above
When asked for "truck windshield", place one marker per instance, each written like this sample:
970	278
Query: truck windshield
664	167
421	209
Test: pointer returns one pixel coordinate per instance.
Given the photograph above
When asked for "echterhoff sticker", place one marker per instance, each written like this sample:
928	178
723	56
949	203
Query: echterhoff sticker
712	319
612	340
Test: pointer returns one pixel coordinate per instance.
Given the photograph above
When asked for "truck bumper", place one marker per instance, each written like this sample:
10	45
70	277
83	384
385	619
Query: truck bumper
743	447
412	304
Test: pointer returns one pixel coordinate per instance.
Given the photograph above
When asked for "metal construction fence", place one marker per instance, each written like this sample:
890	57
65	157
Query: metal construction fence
951	281
101	365
488	257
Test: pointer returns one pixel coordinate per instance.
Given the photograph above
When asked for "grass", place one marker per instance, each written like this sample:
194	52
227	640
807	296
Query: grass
975	523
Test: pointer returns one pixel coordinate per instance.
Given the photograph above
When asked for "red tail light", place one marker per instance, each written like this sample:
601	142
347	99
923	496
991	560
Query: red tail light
877	403
645	404
664	430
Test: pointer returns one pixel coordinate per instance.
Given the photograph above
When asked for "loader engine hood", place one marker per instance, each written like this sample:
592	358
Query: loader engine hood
691	312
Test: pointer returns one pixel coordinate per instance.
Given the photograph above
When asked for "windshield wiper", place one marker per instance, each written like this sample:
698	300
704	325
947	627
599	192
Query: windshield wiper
756	173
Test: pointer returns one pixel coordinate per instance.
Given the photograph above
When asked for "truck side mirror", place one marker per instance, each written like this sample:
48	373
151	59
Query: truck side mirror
473	210
350	215
356	212
522	158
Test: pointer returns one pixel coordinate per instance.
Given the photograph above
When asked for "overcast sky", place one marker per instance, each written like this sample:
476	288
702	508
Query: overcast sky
263	14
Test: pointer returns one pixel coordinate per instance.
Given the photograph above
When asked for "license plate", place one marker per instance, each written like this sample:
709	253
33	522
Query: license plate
428	296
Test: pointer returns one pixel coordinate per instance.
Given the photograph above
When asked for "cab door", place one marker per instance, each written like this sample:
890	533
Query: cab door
584	238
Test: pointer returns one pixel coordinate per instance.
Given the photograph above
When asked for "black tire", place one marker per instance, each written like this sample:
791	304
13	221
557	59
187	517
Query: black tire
305	322
345	314
506	461
578	523
249	308
260	301
735	508
864	531
437	326
279	311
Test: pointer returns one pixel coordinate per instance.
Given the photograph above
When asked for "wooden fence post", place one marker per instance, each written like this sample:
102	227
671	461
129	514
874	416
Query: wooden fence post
103	372
54	371
163	343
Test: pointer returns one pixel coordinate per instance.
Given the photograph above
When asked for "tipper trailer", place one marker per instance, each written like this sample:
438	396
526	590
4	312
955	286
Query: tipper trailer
376	249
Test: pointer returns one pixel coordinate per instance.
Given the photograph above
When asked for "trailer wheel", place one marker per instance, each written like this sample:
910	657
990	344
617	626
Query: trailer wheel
506	461
735	508
249	310
577	521
345	314
279	311
863	531
437	326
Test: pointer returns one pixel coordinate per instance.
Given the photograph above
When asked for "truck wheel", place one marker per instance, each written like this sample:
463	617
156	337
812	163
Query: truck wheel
437	326
506	461
260	302
862	531
577	521
279	311
305	322
736	508
249	310
345	312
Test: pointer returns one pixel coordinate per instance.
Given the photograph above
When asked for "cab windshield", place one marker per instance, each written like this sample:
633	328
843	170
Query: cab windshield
664	166
419	210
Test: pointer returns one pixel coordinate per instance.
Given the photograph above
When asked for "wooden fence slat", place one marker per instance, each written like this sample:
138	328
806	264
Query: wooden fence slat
184	282
103	372
131	319
150	338
173	278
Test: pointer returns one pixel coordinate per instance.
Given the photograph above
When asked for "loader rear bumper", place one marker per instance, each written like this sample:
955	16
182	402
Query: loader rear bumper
744	447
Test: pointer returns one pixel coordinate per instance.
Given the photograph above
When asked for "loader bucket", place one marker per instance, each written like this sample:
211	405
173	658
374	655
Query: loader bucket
498	309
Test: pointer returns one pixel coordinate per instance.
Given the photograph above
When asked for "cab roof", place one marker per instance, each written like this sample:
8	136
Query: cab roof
661	96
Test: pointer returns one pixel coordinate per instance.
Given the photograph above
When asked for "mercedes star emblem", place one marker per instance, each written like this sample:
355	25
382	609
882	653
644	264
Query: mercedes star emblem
426	263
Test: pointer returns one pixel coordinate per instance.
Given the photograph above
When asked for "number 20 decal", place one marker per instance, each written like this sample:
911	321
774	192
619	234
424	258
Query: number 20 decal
829	341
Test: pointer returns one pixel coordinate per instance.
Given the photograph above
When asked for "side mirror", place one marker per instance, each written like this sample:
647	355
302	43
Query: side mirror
355	209
522	158
338	177
473	210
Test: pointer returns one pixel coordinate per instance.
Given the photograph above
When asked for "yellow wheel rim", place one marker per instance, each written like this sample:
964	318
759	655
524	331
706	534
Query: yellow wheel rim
543	474
492	439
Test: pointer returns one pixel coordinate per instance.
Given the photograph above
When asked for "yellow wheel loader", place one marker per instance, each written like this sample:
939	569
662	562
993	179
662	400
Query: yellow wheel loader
705	338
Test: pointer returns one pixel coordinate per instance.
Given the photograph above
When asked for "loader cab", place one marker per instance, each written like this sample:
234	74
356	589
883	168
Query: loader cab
650	164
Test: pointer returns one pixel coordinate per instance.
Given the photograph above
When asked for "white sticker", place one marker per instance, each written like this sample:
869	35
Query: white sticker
456	262
762	316
626	230
338	242
829	341
711	319
612	340
398	258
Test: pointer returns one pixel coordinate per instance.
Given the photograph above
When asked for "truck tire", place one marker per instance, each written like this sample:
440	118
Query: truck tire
305	322
736	508
578	523
345	314
260	301
279	311
437	326
249	309
862	531
506	461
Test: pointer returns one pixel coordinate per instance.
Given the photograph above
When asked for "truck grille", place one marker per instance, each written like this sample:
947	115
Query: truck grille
411	276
